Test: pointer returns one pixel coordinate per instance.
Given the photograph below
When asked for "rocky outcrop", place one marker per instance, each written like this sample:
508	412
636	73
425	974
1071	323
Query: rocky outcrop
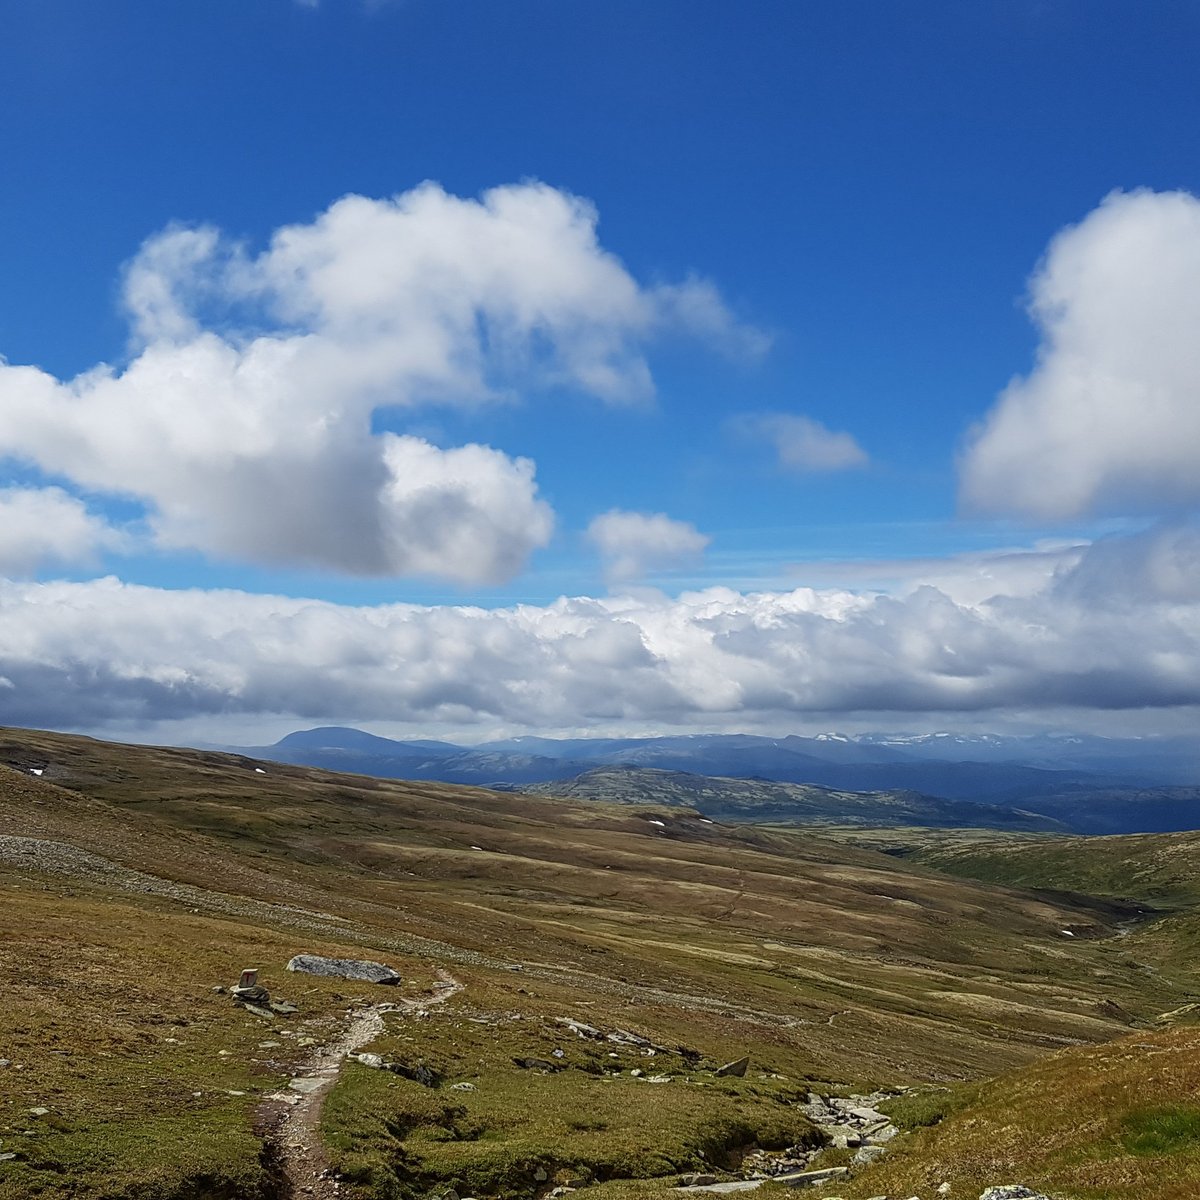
845	1122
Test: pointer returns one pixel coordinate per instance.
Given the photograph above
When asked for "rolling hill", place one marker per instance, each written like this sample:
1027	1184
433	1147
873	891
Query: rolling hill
613	947
765	802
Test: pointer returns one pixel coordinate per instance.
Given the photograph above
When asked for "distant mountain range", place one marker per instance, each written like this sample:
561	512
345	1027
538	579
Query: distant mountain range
1088	784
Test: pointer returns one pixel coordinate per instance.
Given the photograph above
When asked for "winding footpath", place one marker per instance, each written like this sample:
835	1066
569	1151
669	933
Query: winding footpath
295	1114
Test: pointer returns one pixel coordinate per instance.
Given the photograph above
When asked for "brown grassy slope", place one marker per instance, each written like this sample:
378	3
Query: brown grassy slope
824	961
921	974
1096	1123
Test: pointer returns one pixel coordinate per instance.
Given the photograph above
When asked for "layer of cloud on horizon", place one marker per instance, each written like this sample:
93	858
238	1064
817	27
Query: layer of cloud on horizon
1116	626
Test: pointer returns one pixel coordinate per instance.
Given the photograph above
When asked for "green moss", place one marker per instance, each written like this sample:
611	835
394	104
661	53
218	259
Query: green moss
1166	1130
206	1155
517	1129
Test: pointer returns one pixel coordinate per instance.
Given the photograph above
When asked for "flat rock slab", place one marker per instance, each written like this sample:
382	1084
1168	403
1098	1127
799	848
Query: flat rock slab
344	968
799	1179
736	1185
867	1114
308	1083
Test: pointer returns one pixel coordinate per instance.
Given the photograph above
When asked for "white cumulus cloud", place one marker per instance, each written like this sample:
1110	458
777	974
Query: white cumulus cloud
247	419
46	526
633	543
803	444
1109	418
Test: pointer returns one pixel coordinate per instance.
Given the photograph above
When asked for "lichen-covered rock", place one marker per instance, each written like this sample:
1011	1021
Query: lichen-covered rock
344	968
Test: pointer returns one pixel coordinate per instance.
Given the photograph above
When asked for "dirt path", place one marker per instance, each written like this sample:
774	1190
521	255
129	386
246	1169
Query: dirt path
295	1114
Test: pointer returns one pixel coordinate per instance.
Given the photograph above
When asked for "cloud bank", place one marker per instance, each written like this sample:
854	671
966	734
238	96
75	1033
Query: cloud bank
1109	418
247	420
1114	626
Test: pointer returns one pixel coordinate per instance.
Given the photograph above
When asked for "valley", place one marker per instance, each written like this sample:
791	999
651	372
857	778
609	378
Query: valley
136	880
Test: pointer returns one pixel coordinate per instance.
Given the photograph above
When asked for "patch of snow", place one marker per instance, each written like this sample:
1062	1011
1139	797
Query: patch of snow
36	770
476	847
661	823
705	821
1067	933
259	771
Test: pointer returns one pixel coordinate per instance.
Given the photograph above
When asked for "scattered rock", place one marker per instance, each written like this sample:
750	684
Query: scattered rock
39	1112
658	1079
580	1029
622	1037
368	1060
943	1189
736	1068
344	968
467	1087
7	1156
283	1008
1012	1191
695	1180
540	1176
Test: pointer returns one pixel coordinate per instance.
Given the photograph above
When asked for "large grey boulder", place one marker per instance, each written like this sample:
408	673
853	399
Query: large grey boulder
343	968
736	1068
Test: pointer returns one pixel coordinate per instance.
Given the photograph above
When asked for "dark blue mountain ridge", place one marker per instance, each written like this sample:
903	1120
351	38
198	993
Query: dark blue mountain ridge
1091	784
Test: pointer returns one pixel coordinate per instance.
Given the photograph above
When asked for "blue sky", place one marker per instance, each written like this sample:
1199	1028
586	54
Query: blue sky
780	259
